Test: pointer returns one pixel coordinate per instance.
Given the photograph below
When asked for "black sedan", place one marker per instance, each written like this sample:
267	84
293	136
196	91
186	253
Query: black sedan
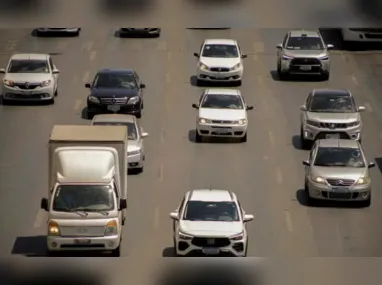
50	31
150	32
115	91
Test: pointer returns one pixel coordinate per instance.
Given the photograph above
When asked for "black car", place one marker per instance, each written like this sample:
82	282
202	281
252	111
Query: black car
115	91
151	32
53	31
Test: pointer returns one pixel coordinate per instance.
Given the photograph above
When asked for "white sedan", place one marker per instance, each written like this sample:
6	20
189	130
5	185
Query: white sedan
220	60
221	113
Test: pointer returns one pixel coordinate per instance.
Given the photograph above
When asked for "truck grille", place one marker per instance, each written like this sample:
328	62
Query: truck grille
214	242
222	122
25	86
305	61
332	126
219	69
95	231
114	101
340	182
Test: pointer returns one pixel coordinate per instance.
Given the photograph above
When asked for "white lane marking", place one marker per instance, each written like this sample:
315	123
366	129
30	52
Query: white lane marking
62	45
87	46
354	79
41	215
288	220
77	105
92	55
368	107
161	171
162	135
156	218
279	176
271	138
258	47
162	46
86	77
169	56
168	77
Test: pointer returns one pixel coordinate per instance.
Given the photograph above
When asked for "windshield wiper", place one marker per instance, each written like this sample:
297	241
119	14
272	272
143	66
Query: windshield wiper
103	212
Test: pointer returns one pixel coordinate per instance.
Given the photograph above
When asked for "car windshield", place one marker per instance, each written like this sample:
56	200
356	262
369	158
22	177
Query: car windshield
339	156
305	43
222	102
89	198
211	211
115	80
227	51
28	66
329	103
131	128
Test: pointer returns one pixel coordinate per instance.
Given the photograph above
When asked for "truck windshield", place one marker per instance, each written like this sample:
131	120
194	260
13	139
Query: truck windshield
88	198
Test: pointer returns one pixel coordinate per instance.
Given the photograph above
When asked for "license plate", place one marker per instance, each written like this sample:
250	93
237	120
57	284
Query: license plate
82	241
305	68
114	108
28	92
340	189
222	131
211	251
332	136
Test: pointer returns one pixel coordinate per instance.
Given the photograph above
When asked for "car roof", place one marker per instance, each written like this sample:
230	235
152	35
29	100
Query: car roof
115	70
114	118
338	143
220	42
337	92
30	56
307	33
211	195
222	91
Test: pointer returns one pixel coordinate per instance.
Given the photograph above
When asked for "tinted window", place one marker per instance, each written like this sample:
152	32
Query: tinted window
115	80
89	198
131	128
332	103
222	102
228	51
211	211
305	43
28	66
336	156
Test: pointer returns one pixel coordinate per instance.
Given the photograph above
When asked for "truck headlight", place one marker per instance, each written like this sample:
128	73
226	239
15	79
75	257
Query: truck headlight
204	121
53	229
237	237
94	99
318	179
133	100
45	83
363	181
203	66
184	236
111	228
236	66
9	83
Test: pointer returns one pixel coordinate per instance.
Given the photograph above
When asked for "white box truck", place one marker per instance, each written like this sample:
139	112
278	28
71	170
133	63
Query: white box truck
87	196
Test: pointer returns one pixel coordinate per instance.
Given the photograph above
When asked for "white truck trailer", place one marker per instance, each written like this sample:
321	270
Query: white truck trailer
87	193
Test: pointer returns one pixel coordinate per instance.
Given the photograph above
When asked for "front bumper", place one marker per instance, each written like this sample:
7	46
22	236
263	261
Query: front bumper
229	76
37	94
313	133
326	192
120	108
135	161
217	130
319	68
56	243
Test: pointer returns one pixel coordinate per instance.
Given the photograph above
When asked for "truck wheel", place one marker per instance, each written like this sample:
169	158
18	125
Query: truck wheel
116	252
198	138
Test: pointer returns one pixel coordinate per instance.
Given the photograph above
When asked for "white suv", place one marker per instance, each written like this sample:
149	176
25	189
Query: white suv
210	222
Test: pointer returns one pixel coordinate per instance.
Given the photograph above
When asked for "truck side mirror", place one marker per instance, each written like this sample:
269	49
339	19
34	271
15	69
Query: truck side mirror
44	204
122	204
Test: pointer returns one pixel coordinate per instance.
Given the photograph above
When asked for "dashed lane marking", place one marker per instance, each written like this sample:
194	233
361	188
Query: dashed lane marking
288	220
92	55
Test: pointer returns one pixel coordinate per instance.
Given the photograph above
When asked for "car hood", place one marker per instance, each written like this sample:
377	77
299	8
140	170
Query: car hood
113	92
333	117
211	229
222	114
28	77
219	61
338	172
305	53
133	145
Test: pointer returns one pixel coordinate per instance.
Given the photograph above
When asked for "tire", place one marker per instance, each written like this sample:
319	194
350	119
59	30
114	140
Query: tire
116	252
140	169
90	115
56	92
51	101
305	144
139	114
238	83
199	82
5	102
244	139
198	138
39	34
76	34
246	250
308	200
366	203
283	76
325	76
52	253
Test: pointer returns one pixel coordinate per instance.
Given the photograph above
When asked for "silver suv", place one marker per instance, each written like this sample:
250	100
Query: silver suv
303	52
330	114
337	170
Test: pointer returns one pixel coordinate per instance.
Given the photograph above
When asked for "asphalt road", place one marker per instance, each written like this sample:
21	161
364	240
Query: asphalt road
266	172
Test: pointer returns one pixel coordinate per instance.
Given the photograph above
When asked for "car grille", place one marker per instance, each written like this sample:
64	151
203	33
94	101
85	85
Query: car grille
219	69
367	30
332	126
95	231
27	86
222	122
114	101
217	242
305	61
340	182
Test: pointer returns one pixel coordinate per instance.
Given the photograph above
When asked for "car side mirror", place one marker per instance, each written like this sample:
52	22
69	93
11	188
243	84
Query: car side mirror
306	162
55	71
44	204
248	218
142	86
195	106
250	108
244	56
303	108
371	165
174	216
361	108
87	85
279	46
196	54
330	46
144	135
122	204
2	70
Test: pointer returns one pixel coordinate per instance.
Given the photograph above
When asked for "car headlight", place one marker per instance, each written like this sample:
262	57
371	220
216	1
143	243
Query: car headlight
242	121
236	66
285	57
111	228
184	236
203	66
313	123
94	99
204	121
46	83
53	229
134	152
9	83
325	57
363	181
237	237
318	179
133	100
354	124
